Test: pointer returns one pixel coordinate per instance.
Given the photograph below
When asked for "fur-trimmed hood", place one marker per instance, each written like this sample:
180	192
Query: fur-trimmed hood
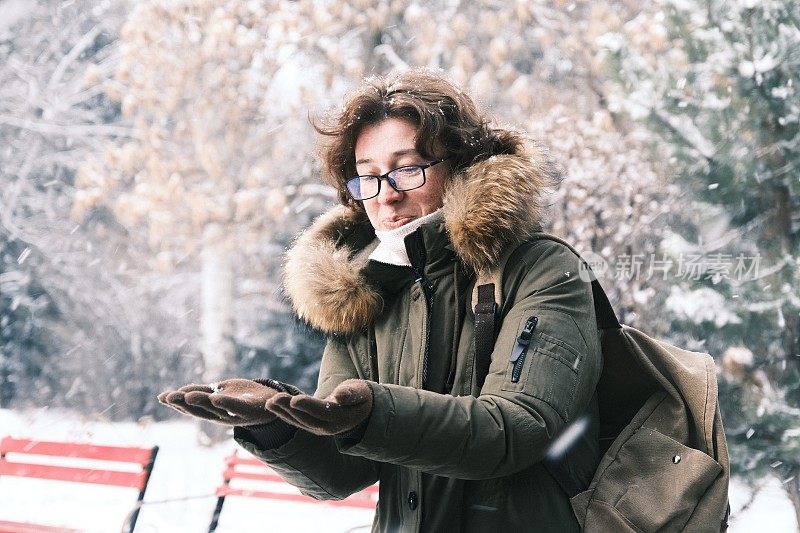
487	207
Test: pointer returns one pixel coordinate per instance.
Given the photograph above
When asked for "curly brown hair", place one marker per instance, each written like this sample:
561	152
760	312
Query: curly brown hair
448	122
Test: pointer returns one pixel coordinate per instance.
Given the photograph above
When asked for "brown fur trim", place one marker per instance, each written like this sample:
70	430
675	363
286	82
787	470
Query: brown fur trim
498	203
324	282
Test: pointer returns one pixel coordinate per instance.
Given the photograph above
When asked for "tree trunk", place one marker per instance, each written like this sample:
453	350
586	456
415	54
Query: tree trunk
216	319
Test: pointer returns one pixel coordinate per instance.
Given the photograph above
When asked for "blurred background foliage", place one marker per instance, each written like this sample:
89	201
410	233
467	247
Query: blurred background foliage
156	160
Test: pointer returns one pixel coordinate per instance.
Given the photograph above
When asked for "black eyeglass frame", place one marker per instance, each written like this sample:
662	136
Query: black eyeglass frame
391	181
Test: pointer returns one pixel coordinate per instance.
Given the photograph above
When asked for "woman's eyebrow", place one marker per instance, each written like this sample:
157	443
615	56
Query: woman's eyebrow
399	153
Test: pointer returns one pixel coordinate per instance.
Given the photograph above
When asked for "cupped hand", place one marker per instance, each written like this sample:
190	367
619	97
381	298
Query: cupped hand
343	410
232	402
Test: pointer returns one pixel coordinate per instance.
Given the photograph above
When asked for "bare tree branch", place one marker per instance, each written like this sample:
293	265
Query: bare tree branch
82	44
67	130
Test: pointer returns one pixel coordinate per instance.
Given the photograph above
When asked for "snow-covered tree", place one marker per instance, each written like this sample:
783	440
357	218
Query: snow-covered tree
217	158
77	328
717	83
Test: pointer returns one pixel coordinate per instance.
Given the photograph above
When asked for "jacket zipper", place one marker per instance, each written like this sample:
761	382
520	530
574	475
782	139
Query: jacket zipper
427	291
521	348
415	246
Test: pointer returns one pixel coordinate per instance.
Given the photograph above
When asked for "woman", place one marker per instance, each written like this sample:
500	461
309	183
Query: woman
430	194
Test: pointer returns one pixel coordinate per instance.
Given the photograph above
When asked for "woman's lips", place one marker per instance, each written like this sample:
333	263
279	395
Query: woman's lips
396	222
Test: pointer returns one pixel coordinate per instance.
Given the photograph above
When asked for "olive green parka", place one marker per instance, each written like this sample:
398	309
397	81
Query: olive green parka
448	455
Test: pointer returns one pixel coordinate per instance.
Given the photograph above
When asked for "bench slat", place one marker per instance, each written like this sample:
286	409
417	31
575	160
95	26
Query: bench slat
235	459
70	473
261	472
15	454
266	475
227	490
84	451
21	527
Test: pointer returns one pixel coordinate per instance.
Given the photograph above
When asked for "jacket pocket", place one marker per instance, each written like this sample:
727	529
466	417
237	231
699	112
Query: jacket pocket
662	479
542	365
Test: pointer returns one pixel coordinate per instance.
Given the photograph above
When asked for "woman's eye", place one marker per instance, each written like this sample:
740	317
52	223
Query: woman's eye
407	170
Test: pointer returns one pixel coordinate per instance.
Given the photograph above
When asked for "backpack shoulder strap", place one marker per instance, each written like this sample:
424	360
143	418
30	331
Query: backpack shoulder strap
487	299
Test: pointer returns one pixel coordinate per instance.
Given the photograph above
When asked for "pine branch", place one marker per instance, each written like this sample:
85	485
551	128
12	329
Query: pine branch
662	118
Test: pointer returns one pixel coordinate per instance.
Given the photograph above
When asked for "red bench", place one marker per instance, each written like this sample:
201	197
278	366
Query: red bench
266	483
17	459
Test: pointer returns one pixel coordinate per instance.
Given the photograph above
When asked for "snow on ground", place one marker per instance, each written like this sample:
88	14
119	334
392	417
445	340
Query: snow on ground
181	490
180	495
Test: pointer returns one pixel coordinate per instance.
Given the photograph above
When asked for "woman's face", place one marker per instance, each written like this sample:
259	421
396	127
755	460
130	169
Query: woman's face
386	146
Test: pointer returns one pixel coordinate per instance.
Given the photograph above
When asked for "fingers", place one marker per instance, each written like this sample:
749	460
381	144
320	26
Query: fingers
279	406
164	398
318	416
303	421
192	400
196	387
199	412
201	399
233	404
352	392
177	400
321	417
191	410
197	404
315	407
174	398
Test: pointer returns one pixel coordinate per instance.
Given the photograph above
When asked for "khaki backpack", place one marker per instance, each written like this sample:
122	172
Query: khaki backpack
664	464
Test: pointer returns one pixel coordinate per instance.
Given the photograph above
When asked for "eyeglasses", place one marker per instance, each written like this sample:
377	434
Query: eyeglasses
400	179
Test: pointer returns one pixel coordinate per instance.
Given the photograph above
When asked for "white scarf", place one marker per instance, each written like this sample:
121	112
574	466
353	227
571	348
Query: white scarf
392	248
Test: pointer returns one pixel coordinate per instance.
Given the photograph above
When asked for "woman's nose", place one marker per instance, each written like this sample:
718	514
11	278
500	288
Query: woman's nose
388	195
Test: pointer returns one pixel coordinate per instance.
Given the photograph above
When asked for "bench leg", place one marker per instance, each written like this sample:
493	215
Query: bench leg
215	516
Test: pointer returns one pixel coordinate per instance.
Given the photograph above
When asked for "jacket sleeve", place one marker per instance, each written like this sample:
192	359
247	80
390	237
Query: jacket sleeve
312	463
509	426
